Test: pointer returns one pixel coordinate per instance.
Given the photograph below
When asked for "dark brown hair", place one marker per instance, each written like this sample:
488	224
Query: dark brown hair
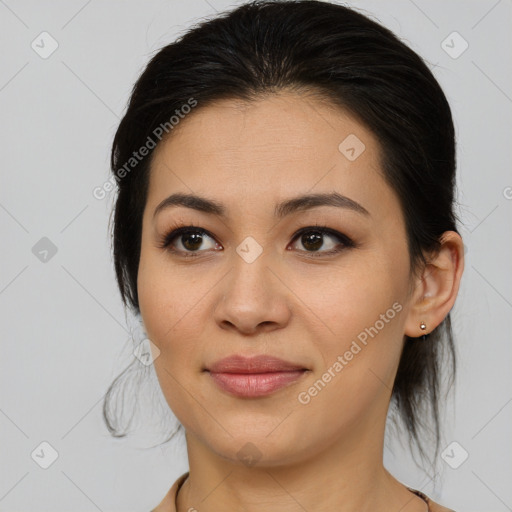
349	60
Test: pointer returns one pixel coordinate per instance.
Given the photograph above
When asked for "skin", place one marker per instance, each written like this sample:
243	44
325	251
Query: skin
287	303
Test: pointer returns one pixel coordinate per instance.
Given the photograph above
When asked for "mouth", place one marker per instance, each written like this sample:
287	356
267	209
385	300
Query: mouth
252	377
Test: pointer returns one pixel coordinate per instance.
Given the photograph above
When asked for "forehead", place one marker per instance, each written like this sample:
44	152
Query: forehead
253	154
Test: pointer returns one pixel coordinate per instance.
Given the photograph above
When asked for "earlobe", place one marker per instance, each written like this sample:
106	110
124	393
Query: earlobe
437	288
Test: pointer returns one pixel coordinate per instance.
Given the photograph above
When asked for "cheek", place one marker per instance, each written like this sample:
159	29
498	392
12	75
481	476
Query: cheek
169	306
354	298
159	299
172	302
358	363
363	316
155	299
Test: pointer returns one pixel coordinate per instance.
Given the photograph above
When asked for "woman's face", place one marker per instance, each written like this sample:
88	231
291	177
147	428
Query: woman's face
246	284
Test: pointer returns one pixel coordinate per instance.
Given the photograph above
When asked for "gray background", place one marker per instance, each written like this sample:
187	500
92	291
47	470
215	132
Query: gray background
63	332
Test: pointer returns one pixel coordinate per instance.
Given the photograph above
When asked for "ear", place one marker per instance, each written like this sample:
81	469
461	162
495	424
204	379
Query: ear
436	289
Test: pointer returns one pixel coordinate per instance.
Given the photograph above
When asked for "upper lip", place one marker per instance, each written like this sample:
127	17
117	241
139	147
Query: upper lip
254	364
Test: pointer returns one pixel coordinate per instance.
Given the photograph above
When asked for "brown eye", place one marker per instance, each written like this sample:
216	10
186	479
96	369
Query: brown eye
322	240
188	240
191	241
312	240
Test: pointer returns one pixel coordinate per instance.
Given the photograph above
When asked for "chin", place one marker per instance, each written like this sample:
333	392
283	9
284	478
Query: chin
257	449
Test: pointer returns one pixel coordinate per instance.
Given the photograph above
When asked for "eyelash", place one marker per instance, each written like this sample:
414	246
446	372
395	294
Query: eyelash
165	240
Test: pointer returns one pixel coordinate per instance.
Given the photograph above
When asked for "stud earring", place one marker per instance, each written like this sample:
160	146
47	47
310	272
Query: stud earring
423	327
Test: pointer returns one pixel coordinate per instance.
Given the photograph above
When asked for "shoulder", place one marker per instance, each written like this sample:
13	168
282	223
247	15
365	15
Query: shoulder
168	503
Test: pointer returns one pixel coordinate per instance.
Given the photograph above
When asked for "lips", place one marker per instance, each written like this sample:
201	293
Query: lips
255	364
252	377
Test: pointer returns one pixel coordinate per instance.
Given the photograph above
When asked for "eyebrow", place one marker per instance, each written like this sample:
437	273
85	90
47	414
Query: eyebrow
283	209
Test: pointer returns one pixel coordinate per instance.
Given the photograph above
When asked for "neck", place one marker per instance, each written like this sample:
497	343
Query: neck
345	476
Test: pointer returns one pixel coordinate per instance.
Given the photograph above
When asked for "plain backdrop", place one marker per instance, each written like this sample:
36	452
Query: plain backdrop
64	334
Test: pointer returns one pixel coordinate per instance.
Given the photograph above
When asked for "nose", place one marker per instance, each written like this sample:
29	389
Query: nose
252	298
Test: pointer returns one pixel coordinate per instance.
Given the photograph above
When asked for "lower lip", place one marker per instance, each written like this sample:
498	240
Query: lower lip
252	385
